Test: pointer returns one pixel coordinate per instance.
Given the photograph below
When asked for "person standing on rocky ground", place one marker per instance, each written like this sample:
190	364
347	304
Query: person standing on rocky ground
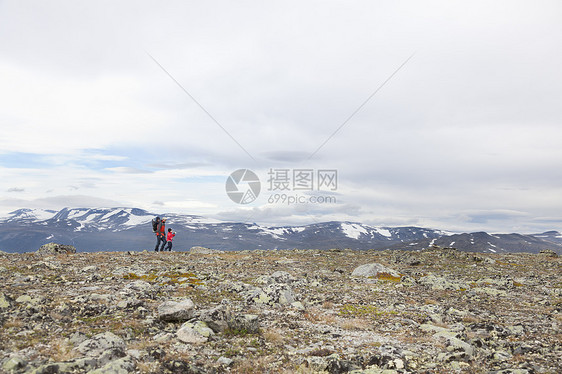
161	235
170	237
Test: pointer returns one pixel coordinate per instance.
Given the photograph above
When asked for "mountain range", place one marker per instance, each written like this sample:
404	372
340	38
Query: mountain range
129	229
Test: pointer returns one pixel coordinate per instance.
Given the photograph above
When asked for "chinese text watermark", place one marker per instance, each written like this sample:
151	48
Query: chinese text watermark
286	186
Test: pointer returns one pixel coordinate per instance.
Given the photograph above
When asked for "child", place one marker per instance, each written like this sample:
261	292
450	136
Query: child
169	238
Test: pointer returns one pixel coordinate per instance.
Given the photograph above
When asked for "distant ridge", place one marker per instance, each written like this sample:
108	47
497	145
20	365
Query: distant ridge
128	229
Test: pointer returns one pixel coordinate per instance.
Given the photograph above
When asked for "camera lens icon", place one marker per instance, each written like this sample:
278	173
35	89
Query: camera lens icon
243	186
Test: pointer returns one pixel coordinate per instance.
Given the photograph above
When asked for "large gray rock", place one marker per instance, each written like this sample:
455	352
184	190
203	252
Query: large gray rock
548	253
194	333
203	250
216	318
121	366
100	344
176	310
55	249
14	364
372	270
5	301
140	289
270	295
221	318
249	323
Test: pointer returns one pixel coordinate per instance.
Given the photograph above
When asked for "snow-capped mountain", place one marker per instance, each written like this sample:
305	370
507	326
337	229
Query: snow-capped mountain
30	215
129	229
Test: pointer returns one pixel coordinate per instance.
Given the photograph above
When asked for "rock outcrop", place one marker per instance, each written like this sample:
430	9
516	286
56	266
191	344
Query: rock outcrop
55	249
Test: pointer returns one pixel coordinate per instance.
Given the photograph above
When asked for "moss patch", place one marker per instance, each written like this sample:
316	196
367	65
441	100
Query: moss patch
171	277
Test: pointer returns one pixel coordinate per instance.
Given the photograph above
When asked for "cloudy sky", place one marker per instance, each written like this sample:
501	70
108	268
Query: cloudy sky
441	114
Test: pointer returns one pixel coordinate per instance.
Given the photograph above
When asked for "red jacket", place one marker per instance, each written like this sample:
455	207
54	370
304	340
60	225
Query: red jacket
170	236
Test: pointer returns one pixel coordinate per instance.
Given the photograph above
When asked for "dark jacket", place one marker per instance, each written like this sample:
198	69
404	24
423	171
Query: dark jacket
161	229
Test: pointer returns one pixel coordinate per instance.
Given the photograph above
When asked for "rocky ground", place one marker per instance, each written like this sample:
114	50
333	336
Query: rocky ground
299	311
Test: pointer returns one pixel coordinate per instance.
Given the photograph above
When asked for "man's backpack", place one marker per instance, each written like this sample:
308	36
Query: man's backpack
155	222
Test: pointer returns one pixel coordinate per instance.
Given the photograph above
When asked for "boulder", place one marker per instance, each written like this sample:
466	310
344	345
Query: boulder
372	270
5	301
222	318
121	366
140	289
55	249
203	250
100	344
548	253
14	364
171	311
194	333
244	322
216	318
271	294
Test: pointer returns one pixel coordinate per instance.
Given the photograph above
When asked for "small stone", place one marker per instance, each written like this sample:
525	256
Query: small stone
224	361
298	305
134	353
24	299
164	337
399	364
489	291
407	281
456	345
441	283
502	355
77	338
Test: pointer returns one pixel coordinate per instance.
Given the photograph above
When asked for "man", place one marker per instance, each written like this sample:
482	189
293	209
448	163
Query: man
160	235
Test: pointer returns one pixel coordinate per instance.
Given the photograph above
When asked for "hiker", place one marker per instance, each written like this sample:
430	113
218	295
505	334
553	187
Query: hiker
169	238
160	235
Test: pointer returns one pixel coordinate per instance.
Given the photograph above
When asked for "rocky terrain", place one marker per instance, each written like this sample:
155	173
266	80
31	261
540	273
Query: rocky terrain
293	311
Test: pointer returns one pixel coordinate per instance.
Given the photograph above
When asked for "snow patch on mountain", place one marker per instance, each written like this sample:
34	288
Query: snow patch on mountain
277	233
353	230
384	232
138	220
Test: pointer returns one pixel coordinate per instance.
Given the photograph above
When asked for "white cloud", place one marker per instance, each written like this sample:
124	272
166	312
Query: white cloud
471	123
